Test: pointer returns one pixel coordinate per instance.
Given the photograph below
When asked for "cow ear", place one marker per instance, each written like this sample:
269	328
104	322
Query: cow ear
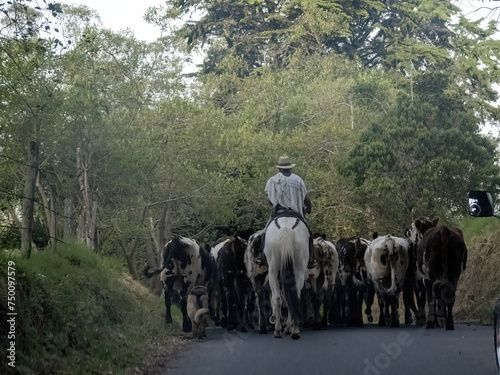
435	221
407	232
208	248
375	235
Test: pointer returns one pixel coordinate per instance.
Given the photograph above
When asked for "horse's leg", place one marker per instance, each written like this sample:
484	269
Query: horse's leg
276	305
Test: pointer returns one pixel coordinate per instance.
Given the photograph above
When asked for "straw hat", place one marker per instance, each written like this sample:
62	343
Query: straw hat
285	163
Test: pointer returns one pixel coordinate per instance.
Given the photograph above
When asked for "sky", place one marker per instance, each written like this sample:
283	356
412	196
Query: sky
121	14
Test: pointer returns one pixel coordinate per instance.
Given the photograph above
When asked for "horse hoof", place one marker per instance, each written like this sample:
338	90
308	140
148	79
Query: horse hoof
296	336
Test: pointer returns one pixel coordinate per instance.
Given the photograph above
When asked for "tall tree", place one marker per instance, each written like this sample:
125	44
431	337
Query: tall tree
29	92
421	160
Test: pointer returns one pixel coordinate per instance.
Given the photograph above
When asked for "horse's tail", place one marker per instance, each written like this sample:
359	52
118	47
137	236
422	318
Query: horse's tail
288	273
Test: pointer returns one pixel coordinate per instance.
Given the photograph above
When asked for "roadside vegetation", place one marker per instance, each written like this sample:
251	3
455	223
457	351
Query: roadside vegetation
81	313
104	141
479	285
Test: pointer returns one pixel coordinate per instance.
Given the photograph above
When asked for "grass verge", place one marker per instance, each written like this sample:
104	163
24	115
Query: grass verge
80	313
479	285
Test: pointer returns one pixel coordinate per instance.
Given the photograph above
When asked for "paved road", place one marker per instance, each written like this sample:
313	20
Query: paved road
370	350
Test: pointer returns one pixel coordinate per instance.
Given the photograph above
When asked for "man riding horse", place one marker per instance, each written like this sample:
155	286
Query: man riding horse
288	195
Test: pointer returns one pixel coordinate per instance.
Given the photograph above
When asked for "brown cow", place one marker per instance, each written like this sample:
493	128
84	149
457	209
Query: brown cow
441	257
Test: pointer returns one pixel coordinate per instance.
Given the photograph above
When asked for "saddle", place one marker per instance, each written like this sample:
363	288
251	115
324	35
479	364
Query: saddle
286	212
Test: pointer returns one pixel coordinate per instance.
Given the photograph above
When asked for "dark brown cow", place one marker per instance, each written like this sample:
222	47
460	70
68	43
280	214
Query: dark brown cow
441	257
236	289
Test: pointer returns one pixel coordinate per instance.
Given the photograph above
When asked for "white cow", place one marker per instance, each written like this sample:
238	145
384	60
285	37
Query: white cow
386	262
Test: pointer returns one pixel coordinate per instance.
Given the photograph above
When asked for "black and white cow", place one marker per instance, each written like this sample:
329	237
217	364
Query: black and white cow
386	262
320	282
441	258
236	289
258	274
186	265
354	285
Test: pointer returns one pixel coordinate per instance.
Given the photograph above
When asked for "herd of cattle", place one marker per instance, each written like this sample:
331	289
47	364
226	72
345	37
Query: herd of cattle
225	284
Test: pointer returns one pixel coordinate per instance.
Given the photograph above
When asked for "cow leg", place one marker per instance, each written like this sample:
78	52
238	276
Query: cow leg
214	298
381	304
224	306
263	300
186	322
250	308
369	297
407	300
421	301
232	300
327	306
168	291
448	291
358	312
395	310
431	302
316	304
335	313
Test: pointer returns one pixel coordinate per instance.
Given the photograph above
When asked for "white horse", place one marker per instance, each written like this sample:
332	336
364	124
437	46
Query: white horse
287	252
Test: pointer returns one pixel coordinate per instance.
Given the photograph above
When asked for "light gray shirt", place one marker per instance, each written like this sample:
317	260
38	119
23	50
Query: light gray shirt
288	192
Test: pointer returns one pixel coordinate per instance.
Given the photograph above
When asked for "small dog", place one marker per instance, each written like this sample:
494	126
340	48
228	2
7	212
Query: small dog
197	309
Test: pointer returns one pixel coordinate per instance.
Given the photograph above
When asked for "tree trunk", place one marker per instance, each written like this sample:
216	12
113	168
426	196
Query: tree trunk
156	286
69	232
129	257
49	212
92	235
29	199
52	223
82	165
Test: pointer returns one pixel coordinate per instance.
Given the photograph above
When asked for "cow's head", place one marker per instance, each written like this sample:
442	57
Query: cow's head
418	228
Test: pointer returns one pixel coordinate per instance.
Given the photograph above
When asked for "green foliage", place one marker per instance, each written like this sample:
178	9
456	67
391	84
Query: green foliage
433	153
79	313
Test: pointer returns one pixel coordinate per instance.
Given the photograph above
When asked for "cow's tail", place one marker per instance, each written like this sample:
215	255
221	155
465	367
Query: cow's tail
201	315
288	273
393	258
150	274
445	234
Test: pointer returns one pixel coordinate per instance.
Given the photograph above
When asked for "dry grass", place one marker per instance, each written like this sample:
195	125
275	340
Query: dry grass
479	285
